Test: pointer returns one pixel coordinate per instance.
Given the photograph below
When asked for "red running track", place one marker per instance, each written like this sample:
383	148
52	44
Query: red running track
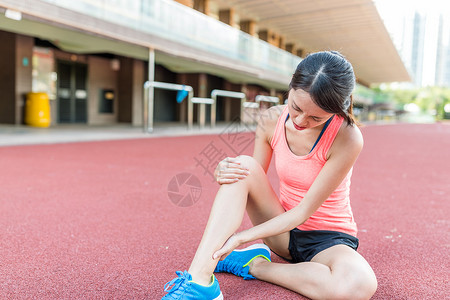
94	220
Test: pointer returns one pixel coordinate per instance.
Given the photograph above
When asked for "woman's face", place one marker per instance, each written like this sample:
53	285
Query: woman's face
303	112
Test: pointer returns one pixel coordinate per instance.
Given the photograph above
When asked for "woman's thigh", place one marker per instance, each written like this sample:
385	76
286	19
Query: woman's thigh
263	205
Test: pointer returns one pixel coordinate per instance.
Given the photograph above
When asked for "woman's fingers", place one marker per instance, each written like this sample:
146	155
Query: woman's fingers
231	176
233	160
221	254
230	166
226	248
234	171
227	180
230	170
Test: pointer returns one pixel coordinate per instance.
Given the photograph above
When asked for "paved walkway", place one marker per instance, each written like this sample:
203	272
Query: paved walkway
26	135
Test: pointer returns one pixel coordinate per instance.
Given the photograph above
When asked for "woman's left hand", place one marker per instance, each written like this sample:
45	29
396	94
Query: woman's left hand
232	243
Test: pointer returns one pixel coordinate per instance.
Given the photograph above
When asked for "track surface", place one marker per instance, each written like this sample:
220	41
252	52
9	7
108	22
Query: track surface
95	221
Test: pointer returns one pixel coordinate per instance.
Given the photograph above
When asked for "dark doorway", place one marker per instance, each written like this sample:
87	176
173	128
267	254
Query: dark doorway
72	92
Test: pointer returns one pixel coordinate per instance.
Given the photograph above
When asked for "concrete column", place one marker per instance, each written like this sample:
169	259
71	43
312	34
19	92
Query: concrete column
244	89
125	87
138	92
183	79
202	6
281	42
275	39
199	84
227	16
130	91
202	85
24	69
291	48
250	115
8	77
102	76
227	110
265	35
203	93
188	3
249	26
270	36
232	105
16	53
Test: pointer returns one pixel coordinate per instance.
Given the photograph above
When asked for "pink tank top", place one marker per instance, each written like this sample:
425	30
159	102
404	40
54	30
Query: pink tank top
297	174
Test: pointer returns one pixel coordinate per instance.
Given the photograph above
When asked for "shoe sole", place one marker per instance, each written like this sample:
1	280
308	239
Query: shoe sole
255	246
220	297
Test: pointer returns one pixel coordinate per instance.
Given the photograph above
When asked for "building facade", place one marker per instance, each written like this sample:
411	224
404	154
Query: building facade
92	57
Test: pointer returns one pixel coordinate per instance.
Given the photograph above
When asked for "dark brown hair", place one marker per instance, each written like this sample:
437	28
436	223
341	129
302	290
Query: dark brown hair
329	79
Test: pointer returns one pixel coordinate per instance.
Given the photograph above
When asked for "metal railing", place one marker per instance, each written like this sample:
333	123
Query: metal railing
259	99
257	105
270	99
202	108
149	101
223	93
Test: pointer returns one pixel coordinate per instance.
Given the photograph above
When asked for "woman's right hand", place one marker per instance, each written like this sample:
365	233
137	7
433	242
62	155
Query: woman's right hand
230	170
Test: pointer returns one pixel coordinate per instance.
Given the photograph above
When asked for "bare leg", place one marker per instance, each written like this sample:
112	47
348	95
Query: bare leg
338	272
227	214
225	217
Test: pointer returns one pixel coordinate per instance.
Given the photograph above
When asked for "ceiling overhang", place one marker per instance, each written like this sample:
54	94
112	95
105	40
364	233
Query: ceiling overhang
352	27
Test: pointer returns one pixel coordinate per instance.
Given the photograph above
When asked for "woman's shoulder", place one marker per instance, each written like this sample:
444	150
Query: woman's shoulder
268	120
271	114
349	138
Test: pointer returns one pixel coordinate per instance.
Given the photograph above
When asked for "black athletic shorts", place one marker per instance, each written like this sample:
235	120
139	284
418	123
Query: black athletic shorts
304	245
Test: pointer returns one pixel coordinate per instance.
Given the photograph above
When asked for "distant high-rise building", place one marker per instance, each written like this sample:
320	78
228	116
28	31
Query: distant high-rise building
417	48
443	54
423	44
440	53
446	81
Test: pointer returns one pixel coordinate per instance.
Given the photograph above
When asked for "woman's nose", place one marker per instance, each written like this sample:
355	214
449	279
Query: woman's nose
300	119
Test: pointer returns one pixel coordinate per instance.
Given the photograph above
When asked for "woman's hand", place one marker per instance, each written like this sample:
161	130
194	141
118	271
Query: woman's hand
230	170
232	243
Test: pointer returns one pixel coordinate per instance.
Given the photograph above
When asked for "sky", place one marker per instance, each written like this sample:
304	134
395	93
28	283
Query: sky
391	11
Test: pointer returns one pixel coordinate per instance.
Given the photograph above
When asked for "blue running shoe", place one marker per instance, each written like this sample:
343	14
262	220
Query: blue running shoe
237	261
183	288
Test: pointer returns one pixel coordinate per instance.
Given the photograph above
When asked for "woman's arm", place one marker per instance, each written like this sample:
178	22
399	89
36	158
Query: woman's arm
230	169
262	152
341	158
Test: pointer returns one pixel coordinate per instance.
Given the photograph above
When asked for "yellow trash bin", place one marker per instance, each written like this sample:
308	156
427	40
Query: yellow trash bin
37	110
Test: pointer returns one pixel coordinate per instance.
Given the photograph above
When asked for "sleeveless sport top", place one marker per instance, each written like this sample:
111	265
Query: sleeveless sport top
297	174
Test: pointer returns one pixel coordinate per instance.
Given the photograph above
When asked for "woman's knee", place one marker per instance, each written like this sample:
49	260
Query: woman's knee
250	163
257	182
247	160
257	175
359	285
369	286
